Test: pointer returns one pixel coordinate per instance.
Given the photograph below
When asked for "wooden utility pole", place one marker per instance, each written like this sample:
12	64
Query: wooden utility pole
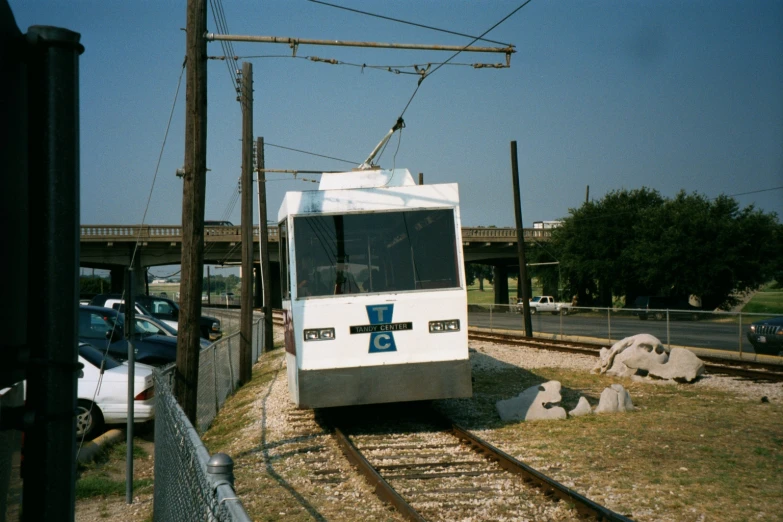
521	243
263	246
193	202
246	316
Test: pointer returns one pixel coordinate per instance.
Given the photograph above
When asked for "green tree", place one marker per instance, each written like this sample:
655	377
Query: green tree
475	271
593	244
710	248
635	242
90	285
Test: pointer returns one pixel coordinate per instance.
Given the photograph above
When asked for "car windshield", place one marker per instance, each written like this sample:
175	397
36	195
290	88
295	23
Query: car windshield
96	324
94	356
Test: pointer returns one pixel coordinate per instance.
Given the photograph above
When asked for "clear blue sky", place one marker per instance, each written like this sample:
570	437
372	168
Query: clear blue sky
669	94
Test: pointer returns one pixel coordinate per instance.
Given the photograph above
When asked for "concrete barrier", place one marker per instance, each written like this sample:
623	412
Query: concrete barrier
91	449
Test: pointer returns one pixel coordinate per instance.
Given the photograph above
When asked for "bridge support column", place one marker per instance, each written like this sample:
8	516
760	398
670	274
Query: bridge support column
501	284
139	276
117	277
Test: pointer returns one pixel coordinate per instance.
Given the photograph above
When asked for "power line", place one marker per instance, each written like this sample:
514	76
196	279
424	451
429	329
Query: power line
311	153
218	15
417	69
407	23
458	52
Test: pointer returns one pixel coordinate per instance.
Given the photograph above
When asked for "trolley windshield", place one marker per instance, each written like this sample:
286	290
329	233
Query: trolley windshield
379	252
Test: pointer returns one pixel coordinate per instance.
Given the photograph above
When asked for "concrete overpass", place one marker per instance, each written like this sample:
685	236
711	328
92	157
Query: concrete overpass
114	247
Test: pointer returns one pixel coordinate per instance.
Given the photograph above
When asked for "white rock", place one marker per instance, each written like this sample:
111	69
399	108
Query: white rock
535	403
614	399
612	361
582	408
682	365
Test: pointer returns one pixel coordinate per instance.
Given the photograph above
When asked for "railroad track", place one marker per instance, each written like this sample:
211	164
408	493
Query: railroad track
430	469
751	370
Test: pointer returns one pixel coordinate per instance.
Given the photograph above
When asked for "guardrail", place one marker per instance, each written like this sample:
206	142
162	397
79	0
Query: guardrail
708	330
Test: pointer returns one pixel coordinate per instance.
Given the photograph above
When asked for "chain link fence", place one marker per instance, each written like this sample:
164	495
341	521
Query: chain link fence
723	333
188	484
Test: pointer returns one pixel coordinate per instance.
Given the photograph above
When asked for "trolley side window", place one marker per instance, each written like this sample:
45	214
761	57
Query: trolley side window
375	252
284	269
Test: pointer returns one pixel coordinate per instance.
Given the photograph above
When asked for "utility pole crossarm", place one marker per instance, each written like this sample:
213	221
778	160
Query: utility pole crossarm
295	42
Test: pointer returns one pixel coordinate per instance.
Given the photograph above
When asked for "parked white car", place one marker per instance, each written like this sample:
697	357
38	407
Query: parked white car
106	402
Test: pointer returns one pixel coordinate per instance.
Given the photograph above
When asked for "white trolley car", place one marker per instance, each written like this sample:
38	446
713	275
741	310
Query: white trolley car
373	291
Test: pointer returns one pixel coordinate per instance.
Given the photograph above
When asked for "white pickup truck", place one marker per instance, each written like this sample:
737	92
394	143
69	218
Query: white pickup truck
547	303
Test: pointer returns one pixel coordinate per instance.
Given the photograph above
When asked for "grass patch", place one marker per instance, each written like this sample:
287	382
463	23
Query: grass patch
233	416
685	451
769	300
96	486
487	297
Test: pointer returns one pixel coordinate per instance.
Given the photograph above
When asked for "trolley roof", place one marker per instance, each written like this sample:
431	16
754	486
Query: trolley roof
368	191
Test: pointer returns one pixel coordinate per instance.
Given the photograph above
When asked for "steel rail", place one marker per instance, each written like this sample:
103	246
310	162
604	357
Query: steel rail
549	486
382	489
746	369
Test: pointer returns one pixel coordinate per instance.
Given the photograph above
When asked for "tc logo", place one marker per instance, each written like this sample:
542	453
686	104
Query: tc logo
381	341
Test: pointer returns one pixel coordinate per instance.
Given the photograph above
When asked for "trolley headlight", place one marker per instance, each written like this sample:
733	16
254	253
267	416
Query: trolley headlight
319	334
451	325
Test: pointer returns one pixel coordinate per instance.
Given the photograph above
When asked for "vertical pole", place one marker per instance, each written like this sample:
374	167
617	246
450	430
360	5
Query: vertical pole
130	327
421	178
740	334
246	312
52	178
263	237
520	242
587	194
193	201
209	287
609	323
668	332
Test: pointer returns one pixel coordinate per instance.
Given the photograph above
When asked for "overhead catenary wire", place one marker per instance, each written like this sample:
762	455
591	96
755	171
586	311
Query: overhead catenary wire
417	69
421	80
405	22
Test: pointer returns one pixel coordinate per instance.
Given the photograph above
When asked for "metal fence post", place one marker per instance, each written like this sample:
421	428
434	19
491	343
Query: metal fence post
215	379
561	324
740	334
490	317
220	470
609	323
668	331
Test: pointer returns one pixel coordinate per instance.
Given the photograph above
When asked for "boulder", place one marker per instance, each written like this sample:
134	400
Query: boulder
582	408
614	399
641	346
682	366
535	403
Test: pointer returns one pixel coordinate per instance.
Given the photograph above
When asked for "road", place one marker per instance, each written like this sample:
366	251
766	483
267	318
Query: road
700	334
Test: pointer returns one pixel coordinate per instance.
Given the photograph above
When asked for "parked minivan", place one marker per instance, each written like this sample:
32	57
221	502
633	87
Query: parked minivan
657	307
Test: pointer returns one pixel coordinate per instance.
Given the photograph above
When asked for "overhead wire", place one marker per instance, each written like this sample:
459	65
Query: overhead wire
143	219
421	80
218	15
395	69
406	22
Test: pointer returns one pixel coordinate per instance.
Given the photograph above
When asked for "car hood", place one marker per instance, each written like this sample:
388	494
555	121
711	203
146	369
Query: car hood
772	321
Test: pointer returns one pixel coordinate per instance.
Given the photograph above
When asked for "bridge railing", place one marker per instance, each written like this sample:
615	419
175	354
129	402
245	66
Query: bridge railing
174	233
159	232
